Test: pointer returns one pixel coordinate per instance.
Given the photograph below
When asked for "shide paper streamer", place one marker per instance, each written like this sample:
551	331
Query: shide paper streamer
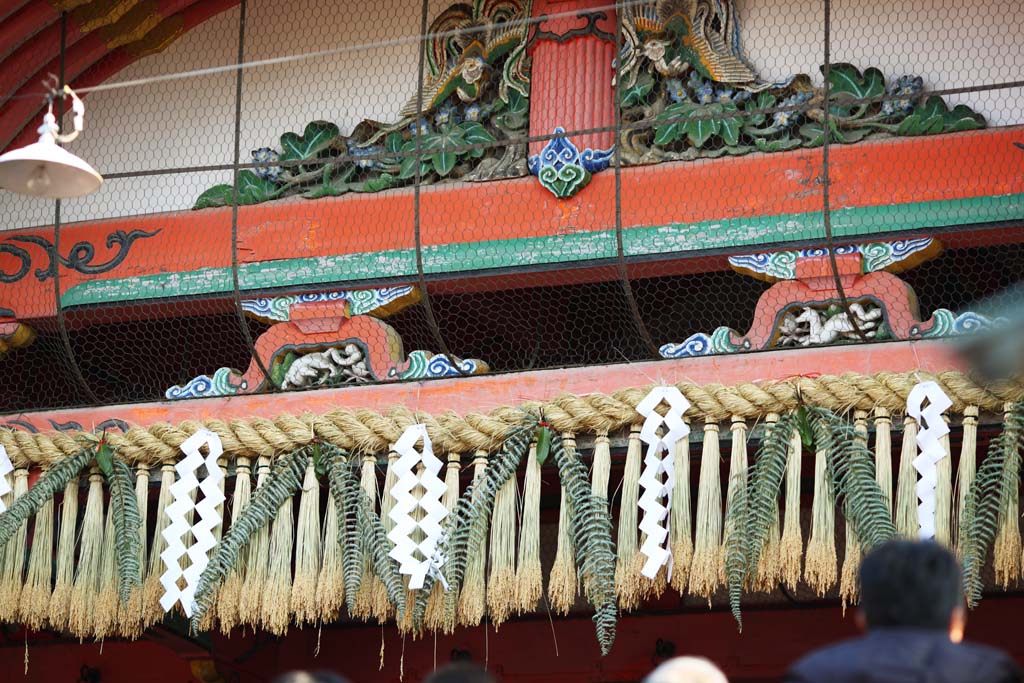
406	548
5	468
202	530
656	500
929	442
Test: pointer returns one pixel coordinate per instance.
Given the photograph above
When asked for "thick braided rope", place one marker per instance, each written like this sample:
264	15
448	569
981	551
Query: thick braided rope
366	431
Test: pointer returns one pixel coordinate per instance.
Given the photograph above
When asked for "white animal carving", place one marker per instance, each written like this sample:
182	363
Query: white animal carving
322	366
812	326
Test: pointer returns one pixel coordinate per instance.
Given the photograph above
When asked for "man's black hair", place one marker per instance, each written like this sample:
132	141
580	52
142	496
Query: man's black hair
910	584
460	672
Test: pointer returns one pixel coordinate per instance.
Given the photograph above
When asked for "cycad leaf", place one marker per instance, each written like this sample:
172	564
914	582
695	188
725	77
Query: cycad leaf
124	506
51	481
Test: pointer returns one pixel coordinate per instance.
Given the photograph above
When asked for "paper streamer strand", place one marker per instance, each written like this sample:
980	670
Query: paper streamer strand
202	530
405	548
5	468
929	442
658	477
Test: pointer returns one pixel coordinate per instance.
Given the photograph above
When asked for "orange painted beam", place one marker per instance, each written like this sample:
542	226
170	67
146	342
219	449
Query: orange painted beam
486	392
979	164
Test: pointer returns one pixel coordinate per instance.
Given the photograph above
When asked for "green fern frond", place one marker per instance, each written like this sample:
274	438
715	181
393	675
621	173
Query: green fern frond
851	469
980	518
736	548
51	481
592	540
375	541
466	526
762	496
281	484
344	487
124	508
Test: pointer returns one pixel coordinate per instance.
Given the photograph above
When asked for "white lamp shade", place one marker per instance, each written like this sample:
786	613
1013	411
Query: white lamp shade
45	169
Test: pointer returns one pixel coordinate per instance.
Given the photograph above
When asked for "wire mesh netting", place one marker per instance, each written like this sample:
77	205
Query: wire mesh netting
399	191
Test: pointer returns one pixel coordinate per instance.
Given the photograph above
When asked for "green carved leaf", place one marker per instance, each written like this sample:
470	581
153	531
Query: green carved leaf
443	162
251	190
517	103
317	137
671	130
698	131
933	116
637	93
332	184
780	145
474	134
814	136
382	182
765	100
730	128
846	79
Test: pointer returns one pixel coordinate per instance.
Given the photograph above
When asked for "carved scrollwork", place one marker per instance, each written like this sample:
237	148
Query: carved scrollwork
80	256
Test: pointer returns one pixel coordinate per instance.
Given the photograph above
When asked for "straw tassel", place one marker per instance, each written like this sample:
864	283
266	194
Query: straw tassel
529	580
276	604
968	459
1007	551
35	596
791	549
307	550
65	578
130	615
944	524
906	493
105	612
629	583
821	563
501	585
706	570
152	612
681	524
231	592
738	467
435	617
767	576
83	594
372	599
883	454
848	581
257	566
472	599
11	578
562	582
209	621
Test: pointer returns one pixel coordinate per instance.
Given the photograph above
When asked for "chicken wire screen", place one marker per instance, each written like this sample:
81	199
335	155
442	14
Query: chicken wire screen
400	191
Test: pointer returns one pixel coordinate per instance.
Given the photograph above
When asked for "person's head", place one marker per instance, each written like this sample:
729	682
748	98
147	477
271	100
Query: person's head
459	672
310	677
686	670
912	584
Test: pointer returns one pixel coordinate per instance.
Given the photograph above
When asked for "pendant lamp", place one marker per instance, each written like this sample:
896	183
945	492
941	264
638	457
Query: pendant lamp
44	168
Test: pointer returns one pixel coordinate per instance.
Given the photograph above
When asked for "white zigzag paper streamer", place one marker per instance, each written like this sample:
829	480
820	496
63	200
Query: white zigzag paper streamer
5	468
929	442
405	548
202	531
656	500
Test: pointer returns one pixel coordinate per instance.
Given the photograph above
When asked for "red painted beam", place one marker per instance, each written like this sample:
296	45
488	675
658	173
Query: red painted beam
9	7
27	22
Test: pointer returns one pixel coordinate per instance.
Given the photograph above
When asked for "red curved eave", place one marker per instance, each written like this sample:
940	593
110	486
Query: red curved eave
88	62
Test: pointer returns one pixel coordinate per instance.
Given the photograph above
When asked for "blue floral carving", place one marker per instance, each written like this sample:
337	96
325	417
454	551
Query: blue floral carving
265	155
563	169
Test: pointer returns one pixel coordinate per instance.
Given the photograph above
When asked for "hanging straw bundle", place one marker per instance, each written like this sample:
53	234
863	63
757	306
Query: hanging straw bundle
630	585
791	548
307	550
152	611
944	523
529	580
472	599
968	460
766	577
35	596
371	600
231	591
680	523
105	612
821	562
501	585
11	573
130	614
848	581
257	567
906	492
275	606
435	617
330	584
706	570
65	578
883	454
737	483
1007	550
82	600
562	584
209	621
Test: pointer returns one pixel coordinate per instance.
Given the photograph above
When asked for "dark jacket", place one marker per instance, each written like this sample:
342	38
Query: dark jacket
904	656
